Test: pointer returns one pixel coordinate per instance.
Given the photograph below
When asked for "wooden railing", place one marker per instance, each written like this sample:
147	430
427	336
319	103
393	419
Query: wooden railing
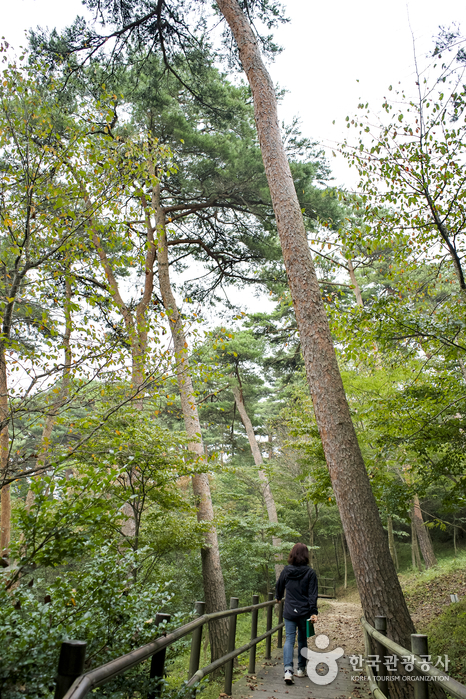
425	671
74	683
327	585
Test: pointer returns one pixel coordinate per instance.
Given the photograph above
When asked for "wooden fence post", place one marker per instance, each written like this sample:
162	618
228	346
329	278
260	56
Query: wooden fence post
280	621
196	640
419	647
380	650
231	646
70	665
268	640
157	663
252	651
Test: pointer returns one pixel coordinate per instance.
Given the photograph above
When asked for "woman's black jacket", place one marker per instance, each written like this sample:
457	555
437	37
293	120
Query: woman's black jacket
300	583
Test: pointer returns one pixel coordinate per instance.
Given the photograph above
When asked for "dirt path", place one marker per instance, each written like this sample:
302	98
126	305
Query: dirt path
339	620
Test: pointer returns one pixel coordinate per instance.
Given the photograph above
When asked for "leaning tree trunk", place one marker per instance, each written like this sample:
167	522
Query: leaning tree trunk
375	573
259	461
214	586
425	543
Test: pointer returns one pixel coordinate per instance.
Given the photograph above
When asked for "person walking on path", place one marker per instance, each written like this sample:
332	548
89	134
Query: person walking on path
300	583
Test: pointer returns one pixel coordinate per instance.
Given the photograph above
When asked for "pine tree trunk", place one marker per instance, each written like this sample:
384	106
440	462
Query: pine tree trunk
425	543
391	541
258	460
378	583
214	586
415	555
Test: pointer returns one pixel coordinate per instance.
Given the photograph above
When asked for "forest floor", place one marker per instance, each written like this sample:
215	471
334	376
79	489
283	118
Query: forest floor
339	620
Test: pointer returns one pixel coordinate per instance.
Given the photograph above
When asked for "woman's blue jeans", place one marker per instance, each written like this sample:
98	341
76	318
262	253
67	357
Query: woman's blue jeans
291	626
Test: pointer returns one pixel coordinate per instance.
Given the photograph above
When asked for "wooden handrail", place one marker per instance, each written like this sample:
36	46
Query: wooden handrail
102	674
231	656
450	685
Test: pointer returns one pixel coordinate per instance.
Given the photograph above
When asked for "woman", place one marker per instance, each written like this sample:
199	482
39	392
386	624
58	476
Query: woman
300	583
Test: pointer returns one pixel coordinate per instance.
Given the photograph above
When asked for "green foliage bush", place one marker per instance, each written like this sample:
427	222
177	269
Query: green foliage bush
102	602
447	634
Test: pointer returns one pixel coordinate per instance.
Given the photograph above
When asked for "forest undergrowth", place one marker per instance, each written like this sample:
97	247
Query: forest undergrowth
428	597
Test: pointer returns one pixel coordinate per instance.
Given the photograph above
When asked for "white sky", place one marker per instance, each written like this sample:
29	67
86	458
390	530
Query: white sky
328	47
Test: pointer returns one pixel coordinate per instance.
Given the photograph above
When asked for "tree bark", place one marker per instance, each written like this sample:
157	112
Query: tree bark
425	543
378	583
265	484
391	541
415	555
214	586
355	283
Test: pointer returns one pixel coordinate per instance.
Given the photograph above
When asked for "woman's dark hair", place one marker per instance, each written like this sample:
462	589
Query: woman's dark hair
299	555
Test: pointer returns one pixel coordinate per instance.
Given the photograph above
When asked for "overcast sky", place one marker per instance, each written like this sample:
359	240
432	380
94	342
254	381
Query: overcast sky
336	53
328	47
